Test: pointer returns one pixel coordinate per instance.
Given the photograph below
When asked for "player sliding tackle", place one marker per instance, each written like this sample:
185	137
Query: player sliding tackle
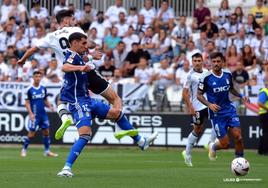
58	41
83	108
217	84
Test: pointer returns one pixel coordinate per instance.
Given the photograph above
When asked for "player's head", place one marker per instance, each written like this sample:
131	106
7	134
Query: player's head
65	18
197	61
78	42
217	60
37	76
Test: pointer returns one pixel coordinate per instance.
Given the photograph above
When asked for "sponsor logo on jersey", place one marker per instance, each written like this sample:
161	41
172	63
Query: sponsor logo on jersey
220	89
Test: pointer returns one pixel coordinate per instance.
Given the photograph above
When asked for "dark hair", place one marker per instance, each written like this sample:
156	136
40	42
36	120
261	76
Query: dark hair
63	14
87	4
37	72
76	36
99	12
197	55
216	54
135	44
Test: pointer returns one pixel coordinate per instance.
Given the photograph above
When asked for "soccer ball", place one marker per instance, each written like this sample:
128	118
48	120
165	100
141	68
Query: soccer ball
240	166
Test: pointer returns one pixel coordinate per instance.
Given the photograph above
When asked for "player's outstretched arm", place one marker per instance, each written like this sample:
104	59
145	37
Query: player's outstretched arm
27	54
237	94
67	67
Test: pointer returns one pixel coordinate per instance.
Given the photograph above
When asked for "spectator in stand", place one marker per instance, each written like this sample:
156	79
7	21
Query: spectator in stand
146	41
240	75
249	59
233	26
107	69
7	38
39	13
148	12
40	33
191	50
117	78
43	56
3	69
15	72
78	14
264	49
250	26
223	14
240	40
222	42
163	77
92	36
161	49
102	26
210	48
30	30
181	73
22	43
29	68
111	41
130	38
10	52
180	35
232	57
259	11
62	5
240	14
202	41
112	13
143	73
122	25
210	28
164	17
53	73
140	26
200	14
255	42
132	18
18	11
119	55
6	8
132	60
88	16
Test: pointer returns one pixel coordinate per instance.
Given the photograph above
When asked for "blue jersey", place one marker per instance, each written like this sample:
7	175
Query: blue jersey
37	97
217	89
75	85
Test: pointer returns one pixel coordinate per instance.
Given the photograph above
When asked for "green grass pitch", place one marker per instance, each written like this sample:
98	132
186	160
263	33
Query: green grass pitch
126	168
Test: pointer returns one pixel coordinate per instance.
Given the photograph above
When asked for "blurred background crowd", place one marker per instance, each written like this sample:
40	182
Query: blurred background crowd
151	45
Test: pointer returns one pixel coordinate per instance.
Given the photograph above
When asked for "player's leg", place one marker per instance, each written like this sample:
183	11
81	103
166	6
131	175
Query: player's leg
33	127
66	118
83	118
197	122
104	111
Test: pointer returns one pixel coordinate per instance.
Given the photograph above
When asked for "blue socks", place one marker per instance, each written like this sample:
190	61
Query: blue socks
124	124
76	150
46	141
26	143
239	154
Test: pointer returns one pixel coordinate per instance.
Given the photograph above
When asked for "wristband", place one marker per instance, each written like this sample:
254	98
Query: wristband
241	96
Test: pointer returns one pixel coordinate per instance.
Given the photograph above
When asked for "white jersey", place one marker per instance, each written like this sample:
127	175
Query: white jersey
58	41
192	83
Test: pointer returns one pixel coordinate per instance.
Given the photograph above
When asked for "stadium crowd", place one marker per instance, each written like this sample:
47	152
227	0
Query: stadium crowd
149	45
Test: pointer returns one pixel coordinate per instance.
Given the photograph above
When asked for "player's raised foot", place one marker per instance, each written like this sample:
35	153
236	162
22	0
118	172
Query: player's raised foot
121	134
211	152
23	153
148	140
67	173
187	158
61	130
50	154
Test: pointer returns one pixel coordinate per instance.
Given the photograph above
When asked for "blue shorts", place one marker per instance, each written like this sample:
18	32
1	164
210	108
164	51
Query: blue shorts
221	124
86	110
40	122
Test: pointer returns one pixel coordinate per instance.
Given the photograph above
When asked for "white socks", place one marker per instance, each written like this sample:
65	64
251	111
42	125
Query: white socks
191	141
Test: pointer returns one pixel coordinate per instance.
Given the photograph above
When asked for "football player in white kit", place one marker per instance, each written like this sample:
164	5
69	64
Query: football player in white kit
198	110
58	41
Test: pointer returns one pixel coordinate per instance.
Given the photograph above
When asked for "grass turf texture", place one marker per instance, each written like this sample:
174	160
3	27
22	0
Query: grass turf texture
126	167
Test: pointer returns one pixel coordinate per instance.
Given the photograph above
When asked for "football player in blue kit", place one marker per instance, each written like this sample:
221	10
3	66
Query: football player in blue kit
35	102
217	84
83	108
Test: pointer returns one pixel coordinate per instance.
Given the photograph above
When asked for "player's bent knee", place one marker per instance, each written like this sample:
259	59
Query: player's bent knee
85	136
45	132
